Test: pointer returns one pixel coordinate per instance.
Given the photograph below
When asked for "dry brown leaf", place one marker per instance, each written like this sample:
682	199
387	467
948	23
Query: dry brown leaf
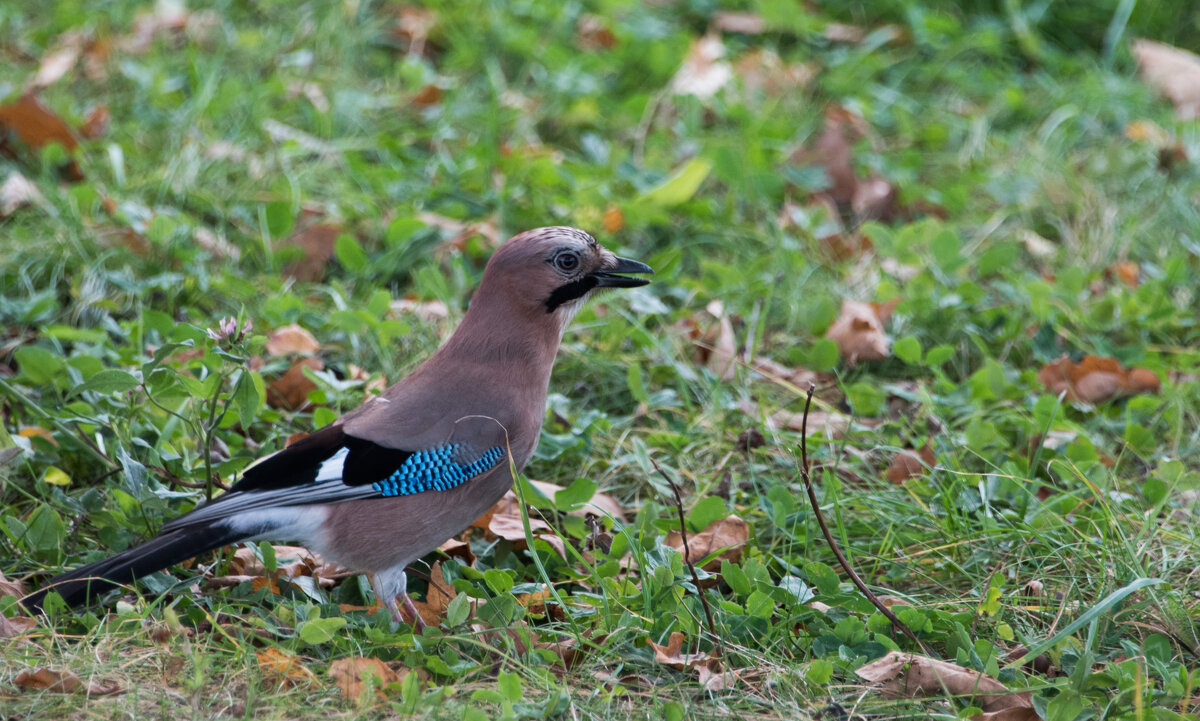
832	151
36	126
290	562
1174	72
58	61
412	28
739	22
429	311
505	522
601	504
841	33
284	669
171	20
96	123
1094	379
909	464
438	596
703	73
16	625
457	548
1146	131
10	587
17	192
216	244
727	535
1125	271
461	231
429	95
762	69
348	674
858	332
291	339
593	34
290	390
61	682
904	675
316	242
875	199
673	655
723	359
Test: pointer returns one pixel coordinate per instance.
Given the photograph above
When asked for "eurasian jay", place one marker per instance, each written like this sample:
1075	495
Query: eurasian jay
391	480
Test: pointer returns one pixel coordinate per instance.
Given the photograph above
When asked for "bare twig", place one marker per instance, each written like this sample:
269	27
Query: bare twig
845	564
687	550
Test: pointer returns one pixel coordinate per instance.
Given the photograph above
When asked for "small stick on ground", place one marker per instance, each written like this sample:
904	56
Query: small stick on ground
687	550
845	564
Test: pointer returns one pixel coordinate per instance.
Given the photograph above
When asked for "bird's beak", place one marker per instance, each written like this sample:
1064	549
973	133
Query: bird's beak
610	277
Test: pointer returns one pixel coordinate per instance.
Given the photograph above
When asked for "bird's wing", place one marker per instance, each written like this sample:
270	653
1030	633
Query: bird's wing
332	466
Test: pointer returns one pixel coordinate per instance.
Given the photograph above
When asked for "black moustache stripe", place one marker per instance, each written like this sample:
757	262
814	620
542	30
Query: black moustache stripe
570	291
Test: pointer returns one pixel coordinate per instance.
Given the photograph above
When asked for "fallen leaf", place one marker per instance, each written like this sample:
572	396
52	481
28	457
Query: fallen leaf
412	28
437	597
17	192
61	682
832	151
600	504
458	548
290	390
505	522
726	537
762	69
722	361
592	33
16	625
461	231
673	655
36	126
1094	379
290	562
429	311
1125	271
739	22
1146	131
703	73
373	385
11	588
316	243
875	199
903	675
58	61
908	464
170	19
283	669
858	332
349	674
842	33
96	123
216	244
614	220
429	95
291	339
1174	72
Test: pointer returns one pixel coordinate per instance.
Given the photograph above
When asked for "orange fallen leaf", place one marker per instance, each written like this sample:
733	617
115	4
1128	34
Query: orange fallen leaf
904	675
290	390
908	464
726	537
614	220
96	123
1095	379
1174	72
505	522
673	655
858	332
316	243
429	95
37	432
291	339
437	597
349	675
35	124
61	682
1125	271
283	668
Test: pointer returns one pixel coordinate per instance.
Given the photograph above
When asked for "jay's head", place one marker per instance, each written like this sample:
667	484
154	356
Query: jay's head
555	269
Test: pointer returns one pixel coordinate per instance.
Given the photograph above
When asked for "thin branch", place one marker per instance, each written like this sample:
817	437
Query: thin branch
845	564
687	549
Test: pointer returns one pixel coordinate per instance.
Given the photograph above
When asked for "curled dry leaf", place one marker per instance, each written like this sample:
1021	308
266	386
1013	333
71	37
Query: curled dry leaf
316	243
505	522
349	675
457	548
727	536
909	464
16	625
1094	379
17	192
600	504
703	73
11	588
858	332
291	339
283	669
437	597
290	390
35	124
673	655
61	682
1174	72
903	675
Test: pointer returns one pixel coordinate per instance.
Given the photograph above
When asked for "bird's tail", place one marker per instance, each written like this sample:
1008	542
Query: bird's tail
89	581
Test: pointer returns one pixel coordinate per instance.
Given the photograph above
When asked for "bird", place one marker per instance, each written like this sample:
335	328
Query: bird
389	481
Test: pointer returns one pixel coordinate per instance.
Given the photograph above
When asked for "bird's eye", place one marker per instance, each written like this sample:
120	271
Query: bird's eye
566	262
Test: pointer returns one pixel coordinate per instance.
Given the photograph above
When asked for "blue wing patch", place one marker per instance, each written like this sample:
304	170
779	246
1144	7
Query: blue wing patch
435	470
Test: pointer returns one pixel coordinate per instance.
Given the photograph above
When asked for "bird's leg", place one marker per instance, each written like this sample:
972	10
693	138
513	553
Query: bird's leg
389	584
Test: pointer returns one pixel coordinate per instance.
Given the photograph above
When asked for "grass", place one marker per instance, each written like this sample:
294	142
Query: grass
255	120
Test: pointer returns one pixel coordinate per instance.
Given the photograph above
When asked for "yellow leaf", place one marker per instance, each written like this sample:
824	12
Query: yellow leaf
56	477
